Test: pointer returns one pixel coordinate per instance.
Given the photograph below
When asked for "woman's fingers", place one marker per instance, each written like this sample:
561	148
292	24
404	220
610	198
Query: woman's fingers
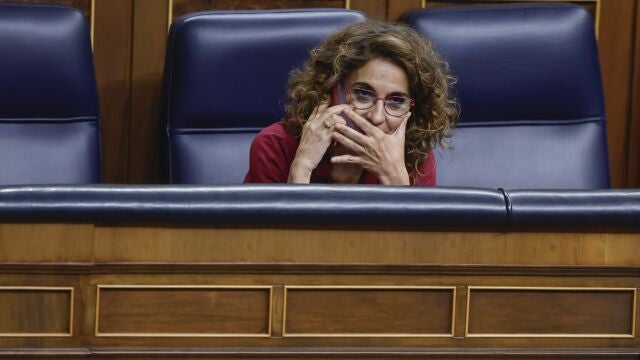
319	110
400	131
337	109
348	143
362	123
353	135
324	116
346	159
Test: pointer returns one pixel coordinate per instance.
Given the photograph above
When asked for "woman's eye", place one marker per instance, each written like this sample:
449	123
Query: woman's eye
396	101
362	94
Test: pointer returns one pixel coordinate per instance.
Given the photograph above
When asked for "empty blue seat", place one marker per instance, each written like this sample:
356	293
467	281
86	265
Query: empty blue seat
530	92
49	113
225	79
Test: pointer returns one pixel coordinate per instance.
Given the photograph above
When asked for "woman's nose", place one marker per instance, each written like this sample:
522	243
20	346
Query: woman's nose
376	113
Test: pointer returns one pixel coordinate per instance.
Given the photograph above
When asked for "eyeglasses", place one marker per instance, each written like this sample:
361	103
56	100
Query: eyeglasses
394	105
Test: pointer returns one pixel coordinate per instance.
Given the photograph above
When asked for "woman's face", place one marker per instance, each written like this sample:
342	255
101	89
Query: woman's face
384	79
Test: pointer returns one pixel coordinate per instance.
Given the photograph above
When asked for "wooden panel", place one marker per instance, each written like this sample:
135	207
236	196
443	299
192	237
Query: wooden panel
363	311
185	311
374	9
36	311
399	7
377	354
149	44
238	274
144	244
181	7
615	47
112	58
569	312
46	243
633	176
395	353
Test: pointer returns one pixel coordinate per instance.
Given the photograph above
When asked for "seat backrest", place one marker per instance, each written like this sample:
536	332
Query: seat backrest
530	92
225	79
49	113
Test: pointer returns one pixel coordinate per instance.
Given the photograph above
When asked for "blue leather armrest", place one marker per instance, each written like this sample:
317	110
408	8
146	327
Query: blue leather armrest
359	206
574	209
253	205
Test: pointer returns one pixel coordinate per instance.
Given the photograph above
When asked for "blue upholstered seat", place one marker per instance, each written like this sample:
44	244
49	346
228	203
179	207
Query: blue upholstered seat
49	116
225	80
531	96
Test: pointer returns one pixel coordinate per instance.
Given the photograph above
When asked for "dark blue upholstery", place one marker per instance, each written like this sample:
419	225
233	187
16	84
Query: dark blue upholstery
582	209
354	206
225	80
270	205
49	116
531	96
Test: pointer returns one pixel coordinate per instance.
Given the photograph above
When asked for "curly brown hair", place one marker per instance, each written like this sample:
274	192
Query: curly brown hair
436	111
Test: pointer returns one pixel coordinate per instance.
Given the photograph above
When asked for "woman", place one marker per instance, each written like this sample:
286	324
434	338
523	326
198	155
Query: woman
397	107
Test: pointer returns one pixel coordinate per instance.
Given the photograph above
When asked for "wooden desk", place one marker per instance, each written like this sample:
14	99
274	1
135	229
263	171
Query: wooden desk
121	291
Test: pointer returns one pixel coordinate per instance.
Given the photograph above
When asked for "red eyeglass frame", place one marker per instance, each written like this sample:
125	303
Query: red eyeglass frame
412	102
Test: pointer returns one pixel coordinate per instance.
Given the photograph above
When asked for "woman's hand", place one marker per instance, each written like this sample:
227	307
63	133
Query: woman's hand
375	151
315	140
344	173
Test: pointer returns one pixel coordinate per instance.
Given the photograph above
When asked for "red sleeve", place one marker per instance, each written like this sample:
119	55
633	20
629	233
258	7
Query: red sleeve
270	156
428	172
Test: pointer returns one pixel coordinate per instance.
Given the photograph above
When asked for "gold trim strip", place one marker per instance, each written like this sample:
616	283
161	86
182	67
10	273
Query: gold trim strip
97	320
270	321
634	291
284	312
347	4
92	21
597	16
71	311
453	310
526	335
635	307
368	287
360	335
45	288
128	286
359	287
97	333
467	307
169	15
181	335
550	288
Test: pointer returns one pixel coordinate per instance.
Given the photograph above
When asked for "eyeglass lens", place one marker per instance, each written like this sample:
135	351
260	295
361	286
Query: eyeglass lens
394	105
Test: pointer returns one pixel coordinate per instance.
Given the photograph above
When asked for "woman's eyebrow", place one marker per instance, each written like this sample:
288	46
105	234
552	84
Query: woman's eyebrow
398	93
369	87
363	84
